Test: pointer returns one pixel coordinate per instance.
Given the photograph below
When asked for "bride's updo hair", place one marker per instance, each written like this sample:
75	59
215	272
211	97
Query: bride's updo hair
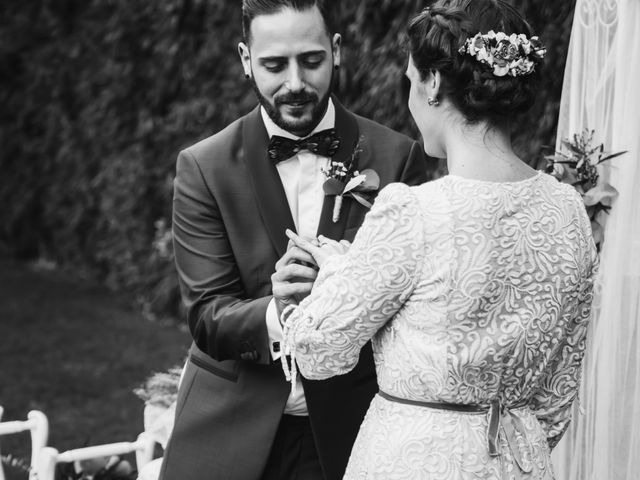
436	35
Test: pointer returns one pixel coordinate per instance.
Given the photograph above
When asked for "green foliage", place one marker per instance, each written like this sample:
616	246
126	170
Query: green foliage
536	132
371	81
94	352
99	97
577	164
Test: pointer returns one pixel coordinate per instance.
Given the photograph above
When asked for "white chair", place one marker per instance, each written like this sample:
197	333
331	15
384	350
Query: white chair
38	426
143	447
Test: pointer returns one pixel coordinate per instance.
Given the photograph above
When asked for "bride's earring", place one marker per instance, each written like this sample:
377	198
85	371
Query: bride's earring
433	102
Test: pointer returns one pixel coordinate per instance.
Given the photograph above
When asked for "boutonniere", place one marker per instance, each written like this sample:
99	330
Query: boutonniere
343	179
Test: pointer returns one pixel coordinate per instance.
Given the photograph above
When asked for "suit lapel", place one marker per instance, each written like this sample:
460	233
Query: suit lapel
347	128
267	186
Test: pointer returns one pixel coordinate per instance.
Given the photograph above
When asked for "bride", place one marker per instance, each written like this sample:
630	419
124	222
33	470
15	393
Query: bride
475	289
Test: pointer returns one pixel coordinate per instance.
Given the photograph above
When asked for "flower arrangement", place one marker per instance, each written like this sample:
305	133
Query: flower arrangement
343	179
159	393
17	465
578	166
513	55
161	388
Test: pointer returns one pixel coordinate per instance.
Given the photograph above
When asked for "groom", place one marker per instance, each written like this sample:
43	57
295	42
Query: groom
235	194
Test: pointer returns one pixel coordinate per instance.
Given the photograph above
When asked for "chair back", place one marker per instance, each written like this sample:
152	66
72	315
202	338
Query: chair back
143	447
38	426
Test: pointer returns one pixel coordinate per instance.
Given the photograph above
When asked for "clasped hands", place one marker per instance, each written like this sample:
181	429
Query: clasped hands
298	268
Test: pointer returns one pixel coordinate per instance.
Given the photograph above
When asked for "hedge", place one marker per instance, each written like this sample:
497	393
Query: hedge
99	96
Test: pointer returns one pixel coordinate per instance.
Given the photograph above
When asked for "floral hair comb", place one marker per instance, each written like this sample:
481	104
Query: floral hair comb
514	55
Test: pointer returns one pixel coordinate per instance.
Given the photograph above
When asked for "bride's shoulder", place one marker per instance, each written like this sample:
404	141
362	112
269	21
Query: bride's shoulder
408	198
401	192
558	189
395	189
397	196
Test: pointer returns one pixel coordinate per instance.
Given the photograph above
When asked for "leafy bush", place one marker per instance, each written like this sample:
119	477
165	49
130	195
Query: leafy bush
99	97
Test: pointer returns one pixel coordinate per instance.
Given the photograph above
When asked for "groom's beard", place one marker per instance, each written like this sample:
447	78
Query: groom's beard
296	127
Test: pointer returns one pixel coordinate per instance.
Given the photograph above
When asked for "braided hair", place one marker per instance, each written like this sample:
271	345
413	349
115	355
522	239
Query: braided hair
435	36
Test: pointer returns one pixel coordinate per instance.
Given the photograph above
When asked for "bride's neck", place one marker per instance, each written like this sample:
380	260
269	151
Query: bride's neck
483	152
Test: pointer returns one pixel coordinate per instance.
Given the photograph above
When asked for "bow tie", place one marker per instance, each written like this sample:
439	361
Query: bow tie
324	143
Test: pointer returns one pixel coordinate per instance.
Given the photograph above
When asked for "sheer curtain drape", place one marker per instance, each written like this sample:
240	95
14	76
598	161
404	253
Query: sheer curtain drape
601	92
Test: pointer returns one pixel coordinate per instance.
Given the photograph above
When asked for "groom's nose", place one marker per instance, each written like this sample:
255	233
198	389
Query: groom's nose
295	79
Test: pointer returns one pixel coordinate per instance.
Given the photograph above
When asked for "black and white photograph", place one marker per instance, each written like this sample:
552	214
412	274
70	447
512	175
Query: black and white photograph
319	240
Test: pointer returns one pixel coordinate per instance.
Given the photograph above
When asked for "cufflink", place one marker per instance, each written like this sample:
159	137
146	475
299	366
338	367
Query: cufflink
276	346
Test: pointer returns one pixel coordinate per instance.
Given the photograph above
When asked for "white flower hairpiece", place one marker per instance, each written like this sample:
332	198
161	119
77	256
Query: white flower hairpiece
514	55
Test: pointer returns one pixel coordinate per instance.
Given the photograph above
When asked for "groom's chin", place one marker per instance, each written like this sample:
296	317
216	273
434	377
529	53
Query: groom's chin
296	121
298	111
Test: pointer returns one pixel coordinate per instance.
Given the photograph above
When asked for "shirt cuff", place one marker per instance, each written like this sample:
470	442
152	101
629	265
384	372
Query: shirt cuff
274	329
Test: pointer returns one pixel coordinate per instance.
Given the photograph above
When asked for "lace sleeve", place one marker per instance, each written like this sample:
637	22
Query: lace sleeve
557	392
357	293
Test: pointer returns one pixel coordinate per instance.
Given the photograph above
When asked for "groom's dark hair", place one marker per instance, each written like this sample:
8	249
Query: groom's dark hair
253	8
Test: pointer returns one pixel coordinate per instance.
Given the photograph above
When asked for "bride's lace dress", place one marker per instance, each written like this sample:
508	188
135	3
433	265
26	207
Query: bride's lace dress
470	291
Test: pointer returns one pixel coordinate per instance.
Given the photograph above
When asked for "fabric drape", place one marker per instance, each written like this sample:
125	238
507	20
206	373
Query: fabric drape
600	92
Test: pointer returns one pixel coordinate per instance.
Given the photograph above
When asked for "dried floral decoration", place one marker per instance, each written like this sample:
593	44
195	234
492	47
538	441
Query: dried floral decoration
513	55
578	166
343	179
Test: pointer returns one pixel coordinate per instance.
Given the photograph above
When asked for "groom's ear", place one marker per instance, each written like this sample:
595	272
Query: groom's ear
245	58
335	48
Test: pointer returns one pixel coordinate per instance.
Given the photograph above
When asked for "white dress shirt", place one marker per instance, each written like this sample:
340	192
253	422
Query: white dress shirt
302	179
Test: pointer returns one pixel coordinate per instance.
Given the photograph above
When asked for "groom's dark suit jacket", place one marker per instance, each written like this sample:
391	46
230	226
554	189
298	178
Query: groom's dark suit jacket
229	221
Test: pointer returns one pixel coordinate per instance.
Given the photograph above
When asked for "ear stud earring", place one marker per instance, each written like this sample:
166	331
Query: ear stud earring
433	101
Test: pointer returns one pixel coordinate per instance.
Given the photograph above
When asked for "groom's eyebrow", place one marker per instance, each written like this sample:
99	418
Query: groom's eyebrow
271	57
309	53
312	52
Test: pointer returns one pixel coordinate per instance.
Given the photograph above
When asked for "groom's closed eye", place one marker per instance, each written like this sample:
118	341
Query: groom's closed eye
312	60
274	64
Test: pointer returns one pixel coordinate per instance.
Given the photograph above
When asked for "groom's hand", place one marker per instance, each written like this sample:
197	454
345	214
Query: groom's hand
294	276
320	249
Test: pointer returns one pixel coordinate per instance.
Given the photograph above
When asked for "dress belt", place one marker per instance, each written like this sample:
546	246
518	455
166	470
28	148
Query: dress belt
499	416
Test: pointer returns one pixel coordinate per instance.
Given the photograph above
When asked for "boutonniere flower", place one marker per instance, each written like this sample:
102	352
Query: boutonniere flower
343	179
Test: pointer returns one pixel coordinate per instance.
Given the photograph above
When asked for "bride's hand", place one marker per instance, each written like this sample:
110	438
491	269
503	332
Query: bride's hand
320	249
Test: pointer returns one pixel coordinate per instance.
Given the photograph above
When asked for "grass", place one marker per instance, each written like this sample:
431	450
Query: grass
75	352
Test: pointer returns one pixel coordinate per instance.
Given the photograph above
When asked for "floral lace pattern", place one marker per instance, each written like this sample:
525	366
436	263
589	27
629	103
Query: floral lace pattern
469	291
